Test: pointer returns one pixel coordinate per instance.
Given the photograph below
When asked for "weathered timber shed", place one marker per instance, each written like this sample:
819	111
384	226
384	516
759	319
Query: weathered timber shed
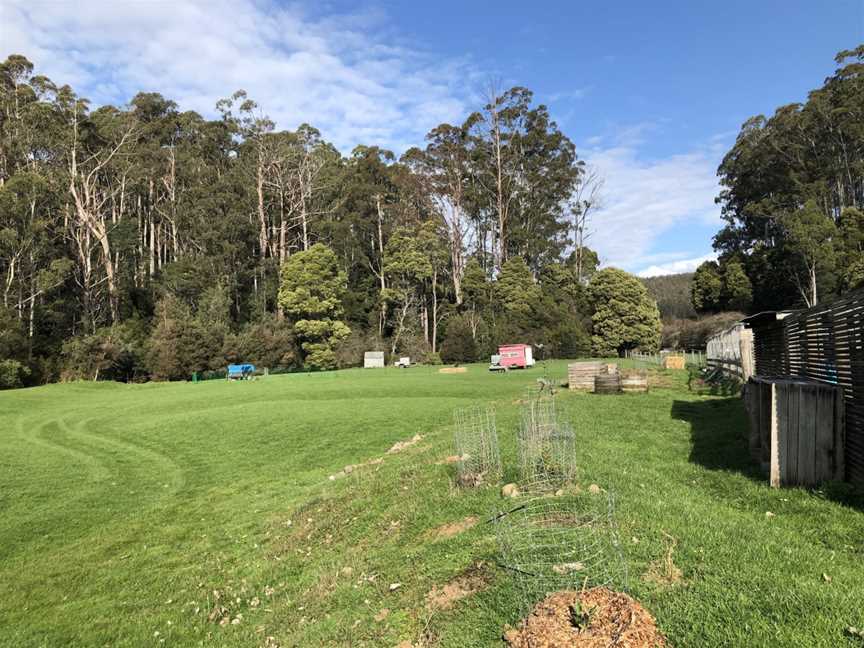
824	344
796	429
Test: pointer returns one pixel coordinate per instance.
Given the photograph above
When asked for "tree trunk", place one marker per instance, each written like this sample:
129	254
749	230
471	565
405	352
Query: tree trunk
113	297
262	215
283	230
434	312
382	316
400	324
501	203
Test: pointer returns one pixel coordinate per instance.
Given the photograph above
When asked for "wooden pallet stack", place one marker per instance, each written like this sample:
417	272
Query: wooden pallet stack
580	375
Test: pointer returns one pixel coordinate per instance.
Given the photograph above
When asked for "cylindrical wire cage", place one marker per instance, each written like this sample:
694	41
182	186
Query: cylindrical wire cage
564	542
476	441
547	446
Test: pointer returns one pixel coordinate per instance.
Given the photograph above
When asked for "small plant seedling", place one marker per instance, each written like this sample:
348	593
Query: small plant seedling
580	617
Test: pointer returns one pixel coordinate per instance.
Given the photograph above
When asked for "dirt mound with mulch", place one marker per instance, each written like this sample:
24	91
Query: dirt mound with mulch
593	618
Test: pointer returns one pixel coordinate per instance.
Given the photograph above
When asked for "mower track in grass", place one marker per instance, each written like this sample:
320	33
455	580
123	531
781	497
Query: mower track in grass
188	515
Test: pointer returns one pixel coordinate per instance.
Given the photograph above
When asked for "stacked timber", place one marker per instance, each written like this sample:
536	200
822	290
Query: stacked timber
580	375
606	383
634	382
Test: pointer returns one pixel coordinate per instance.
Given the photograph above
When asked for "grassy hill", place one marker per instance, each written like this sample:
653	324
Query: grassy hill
205	514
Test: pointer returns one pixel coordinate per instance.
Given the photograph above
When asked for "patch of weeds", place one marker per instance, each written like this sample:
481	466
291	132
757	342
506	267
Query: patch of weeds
665	572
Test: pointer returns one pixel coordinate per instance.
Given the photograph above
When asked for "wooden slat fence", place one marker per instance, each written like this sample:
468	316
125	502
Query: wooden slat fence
731	351
824	343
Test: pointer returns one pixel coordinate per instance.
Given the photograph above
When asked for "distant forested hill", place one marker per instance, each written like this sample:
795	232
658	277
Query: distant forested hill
672	293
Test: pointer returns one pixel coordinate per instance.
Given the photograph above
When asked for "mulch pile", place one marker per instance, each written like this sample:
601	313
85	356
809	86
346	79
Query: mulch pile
593	618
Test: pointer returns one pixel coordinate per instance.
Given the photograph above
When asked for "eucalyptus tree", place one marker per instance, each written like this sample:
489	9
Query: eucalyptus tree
122	229
362	224
586	200
98	169
408	267
524	171
786	183
445	168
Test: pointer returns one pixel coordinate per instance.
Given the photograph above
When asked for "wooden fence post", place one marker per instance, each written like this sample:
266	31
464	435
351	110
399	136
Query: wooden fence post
774	452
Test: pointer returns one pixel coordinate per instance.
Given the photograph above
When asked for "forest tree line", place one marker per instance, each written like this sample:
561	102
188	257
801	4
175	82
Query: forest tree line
793	201
147	242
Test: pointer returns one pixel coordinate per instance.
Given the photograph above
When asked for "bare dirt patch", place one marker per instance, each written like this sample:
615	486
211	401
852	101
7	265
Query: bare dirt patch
452	459
451	529
399	446
350	468
593	618
466	584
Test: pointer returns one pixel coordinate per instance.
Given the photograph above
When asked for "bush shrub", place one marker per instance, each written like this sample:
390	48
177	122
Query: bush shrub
111	353
568	340
12	374
690	334
265	343
349	352
459	344
181	343
433	358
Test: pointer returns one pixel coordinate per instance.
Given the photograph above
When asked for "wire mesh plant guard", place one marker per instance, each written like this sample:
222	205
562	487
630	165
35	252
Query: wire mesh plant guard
565	542
476	440
547	447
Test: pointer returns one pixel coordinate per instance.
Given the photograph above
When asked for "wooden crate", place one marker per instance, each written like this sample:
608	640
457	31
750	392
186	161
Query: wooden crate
797	429
580	375
674	362
634	382
607	383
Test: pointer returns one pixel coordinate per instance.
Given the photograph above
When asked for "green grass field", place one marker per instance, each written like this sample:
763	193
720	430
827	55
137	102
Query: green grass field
135	515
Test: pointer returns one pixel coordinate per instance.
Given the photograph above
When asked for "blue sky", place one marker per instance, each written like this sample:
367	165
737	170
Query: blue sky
652	93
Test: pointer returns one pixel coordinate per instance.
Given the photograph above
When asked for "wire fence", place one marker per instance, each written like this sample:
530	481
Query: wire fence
694	358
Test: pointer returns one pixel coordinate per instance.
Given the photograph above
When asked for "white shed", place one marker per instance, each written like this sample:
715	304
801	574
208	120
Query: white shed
373	359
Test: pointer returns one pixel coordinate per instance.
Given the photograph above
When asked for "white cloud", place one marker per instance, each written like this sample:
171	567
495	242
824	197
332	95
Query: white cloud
675	267
569	95
644	199
351	75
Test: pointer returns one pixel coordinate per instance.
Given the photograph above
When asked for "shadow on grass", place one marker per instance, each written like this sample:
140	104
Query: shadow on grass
719	429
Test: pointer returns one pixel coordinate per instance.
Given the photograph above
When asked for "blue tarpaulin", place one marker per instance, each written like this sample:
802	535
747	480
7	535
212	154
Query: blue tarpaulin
240	370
